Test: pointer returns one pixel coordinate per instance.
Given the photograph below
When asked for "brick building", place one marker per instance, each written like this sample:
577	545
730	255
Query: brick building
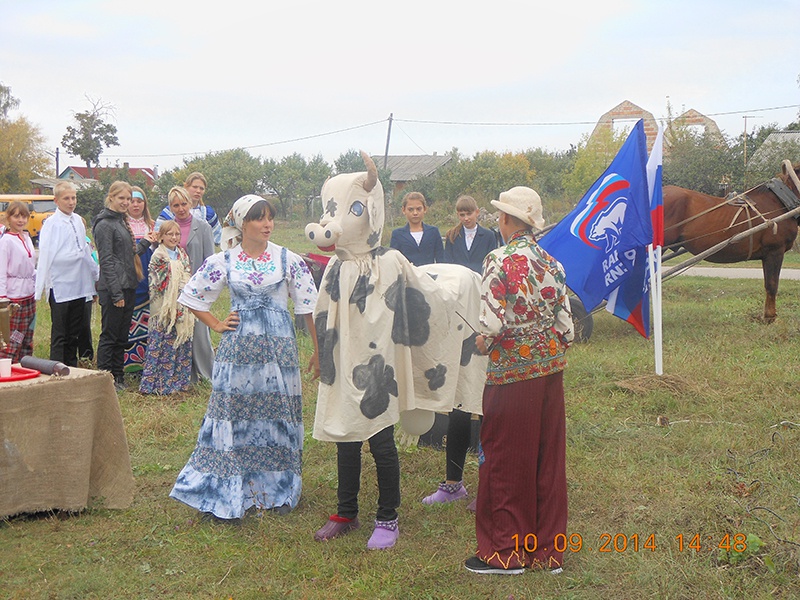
628	113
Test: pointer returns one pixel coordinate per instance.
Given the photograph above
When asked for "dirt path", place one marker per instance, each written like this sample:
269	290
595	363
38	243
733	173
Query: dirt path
736	273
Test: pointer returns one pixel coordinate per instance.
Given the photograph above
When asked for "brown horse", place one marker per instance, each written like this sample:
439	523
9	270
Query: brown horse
697	221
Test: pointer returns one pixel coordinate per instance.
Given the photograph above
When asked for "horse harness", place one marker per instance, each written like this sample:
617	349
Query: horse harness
784	194
743	202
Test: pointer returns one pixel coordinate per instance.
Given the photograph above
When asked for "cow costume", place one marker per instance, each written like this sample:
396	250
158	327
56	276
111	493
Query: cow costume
391	340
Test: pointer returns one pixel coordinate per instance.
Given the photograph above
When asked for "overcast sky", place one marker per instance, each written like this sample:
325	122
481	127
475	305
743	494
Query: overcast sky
186	78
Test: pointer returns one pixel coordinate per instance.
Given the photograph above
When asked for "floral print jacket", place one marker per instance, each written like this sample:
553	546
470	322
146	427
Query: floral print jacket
525	312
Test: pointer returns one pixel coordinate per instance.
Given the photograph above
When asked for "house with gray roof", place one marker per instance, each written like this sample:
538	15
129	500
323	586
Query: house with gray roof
405	168
778	146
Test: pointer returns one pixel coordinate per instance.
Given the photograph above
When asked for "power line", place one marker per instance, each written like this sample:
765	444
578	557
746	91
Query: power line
741	112
309	137
299	139
411	139
566	123
430	122
495	124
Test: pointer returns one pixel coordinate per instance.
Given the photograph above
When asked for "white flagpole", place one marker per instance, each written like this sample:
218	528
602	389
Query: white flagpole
654	254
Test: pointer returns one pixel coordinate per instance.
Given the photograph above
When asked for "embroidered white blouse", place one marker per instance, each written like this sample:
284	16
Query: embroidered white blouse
206	284
65	259
17	266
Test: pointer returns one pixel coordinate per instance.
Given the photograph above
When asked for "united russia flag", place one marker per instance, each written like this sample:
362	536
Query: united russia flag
602	242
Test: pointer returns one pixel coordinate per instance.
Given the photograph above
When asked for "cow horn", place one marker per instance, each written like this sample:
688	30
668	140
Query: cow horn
372	172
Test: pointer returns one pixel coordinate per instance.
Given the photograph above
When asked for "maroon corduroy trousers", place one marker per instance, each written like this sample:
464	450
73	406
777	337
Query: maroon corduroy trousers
522	491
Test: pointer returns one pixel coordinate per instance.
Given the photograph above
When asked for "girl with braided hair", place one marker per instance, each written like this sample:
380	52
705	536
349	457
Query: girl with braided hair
120	273
168	362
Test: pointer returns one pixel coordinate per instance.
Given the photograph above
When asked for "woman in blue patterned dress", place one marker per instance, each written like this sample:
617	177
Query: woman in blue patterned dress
249	449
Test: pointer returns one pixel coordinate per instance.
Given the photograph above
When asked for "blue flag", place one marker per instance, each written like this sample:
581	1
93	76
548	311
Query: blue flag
631	300
600	242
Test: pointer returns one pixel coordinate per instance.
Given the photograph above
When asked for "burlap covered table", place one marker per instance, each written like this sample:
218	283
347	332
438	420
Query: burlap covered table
63	443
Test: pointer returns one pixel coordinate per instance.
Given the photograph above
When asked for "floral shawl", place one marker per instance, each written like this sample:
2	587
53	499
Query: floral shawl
167	277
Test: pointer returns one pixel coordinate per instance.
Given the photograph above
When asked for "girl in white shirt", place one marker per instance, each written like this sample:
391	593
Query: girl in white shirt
17	283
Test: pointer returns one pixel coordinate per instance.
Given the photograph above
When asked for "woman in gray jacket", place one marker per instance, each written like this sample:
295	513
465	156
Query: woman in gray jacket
120	273
198	241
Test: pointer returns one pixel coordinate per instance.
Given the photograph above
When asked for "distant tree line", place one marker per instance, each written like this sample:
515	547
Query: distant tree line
692	158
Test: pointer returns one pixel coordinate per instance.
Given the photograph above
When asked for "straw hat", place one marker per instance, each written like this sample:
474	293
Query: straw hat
522	202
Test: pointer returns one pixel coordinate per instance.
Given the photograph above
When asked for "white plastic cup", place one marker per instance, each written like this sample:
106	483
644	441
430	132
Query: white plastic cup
5	367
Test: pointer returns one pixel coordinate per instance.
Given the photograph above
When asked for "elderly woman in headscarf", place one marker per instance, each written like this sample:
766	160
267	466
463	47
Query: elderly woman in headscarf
249	449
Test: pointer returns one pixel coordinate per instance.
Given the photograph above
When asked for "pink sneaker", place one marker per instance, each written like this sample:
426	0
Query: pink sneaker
335	527
473	506
384	535
447	492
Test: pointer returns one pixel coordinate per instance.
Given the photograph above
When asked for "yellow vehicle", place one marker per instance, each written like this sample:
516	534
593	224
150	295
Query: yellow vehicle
41	207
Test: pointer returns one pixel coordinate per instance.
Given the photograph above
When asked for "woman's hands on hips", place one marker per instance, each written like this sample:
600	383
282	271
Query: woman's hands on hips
229	323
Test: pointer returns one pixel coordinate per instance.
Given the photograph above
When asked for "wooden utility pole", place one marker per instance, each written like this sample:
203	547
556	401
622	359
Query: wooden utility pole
745	117
388	137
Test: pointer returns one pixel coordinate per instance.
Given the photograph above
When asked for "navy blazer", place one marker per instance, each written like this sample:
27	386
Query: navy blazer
430	247
485	241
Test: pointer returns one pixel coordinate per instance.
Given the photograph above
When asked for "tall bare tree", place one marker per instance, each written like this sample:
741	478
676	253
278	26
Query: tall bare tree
92	134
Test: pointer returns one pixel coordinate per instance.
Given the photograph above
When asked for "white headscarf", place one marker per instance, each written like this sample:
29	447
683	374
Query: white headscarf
232	231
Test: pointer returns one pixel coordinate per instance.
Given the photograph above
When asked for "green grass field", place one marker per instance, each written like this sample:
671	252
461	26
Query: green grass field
650	505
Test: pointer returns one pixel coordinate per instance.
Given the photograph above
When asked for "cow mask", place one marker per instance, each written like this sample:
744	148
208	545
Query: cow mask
352	221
